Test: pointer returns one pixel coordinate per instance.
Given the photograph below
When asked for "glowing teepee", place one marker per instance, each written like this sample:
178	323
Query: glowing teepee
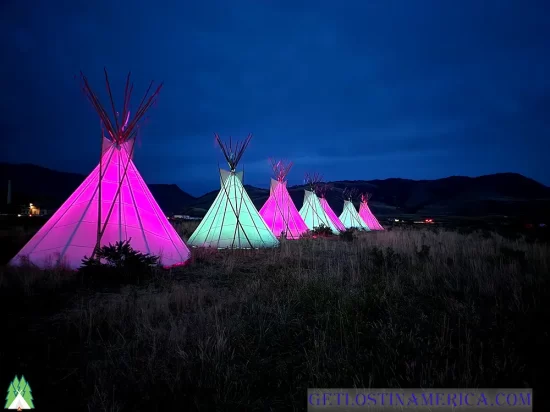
233	221
279	211
322	190
366	214
349	217
312	211
112	204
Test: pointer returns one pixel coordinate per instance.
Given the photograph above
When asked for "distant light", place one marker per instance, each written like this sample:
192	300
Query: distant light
18	215
397	220
30	204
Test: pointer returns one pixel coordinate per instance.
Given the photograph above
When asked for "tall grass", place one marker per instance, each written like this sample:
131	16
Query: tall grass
252	330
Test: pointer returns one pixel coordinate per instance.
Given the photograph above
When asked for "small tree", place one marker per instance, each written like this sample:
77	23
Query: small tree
25	391
10	397
119	261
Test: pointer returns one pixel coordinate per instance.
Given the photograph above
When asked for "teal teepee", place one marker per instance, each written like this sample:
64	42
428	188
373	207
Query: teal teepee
350	217
232	221
312	211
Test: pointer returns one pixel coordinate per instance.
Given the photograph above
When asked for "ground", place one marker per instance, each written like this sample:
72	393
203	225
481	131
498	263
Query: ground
252	330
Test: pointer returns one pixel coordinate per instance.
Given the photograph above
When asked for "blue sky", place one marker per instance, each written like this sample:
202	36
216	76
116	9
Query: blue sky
365	89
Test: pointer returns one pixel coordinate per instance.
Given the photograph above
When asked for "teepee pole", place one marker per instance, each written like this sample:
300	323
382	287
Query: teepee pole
215	213
97	244
224	212
110	93
120	181
140	221
233	156
117	194
243	193
236	215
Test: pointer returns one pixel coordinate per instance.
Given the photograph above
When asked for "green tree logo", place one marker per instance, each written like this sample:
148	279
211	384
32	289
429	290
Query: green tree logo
19	395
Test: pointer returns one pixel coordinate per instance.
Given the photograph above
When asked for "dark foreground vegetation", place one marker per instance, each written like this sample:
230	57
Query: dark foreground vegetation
252	330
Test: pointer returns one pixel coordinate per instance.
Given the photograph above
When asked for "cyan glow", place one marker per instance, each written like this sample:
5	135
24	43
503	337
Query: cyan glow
280	213
313	213
233	221
350	218
71	233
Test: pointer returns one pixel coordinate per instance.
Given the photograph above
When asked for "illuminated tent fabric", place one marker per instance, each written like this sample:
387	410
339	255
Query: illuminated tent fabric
279	211
232	221
331	215
112	204
350	218
367	216
312	211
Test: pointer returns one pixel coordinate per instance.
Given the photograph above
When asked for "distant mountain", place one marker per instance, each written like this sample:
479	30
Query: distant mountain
50	188
170	198
503	193
499	194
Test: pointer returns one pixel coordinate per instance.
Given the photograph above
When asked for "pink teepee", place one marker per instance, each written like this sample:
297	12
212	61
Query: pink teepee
366	214
322	189
279	212
112	204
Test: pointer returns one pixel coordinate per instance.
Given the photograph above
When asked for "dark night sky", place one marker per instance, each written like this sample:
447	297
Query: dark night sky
361	89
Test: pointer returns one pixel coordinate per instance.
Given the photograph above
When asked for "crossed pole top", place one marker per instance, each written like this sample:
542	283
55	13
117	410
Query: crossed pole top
312	180
120	126
233	150
280	169
349	193
365	197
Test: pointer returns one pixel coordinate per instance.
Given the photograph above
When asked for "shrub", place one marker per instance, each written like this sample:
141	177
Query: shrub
348	235
118	262
322	230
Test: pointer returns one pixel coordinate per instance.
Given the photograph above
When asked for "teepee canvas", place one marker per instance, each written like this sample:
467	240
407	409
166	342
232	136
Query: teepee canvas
366	214
312	211
112	204
322	191
349	217
279	211
233	221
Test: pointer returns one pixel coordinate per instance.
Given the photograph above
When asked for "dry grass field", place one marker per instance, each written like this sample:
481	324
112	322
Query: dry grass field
252	330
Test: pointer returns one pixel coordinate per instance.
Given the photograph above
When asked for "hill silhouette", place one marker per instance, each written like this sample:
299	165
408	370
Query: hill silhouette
498	194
